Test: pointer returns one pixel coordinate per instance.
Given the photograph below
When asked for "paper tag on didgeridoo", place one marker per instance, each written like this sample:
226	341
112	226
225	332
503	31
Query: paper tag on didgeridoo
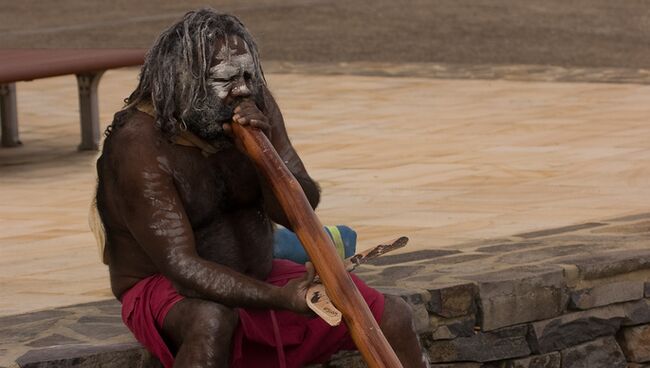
320	303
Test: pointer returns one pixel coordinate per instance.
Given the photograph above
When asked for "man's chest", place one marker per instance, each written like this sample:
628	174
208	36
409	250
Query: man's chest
216	185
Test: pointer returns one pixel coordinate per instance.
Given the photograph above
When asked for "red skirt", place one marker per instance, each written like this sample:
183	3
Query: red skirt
256	343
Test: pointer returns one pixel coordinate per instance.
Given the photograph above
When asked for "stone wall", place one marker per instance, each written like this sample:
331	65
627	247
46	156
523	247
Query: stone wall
608	336
572	297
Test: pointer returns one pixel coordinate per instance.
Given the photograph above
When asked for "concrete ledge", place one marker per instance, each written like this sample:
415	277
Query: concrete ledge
576	296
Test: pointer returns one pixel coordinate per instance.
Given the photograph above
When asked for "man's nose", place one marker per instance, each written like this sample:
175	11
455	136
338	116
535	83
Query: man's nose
240	89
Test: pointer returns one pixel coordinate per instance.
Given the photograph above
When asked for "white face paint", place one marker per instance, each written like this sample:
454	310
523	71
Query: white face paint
228	74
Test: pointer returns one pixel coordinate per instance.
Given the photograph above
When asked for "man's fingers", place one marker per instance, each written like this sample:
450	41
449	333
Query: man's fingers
247	113
311	272
260	124
240	119
244	103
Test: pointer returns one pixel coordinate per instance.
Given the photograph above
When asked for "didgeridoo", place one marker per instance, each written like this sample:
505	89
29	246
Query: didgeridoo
339	286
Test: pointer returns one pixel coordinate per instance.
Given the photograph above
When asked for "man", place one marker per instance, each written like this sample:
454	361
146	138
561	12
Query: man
189	221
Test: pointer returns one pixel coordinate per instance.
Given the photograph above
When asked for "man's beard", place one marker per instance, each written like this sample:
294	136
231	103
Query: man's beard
208	122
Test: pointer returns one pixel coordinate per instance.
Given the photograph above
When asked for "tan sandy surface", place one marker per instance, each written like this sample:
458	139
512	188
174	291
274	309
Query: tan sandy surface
445	162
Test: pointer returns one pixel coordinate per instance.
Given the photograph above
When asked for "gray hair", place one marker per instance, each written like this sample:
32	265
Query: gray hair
174	77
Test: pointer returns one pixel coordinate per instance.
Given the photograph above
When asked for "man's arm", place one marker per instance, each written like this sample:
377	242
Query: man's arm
282	144
150	206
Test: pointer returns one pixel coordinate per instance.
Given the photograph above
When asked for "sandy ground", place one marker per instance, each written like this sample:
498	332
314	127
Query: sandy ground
445	162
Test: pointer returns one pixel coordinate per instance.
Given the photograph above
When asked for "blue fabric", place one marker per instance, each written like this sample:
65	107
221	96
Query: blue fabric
288	246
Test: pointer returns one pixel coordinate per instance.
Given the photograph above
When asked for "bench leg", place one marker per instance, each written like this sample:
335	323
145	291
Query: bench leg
89	110
9	115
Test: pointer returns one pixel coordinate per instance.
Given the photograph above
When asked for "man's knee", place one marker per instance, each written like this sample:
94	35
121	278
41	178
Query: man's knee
213	321
197	319
397	316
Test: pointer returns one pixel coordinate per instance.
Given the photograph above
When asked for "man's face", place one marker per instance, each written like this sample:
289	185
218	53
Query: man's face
232	70
230	81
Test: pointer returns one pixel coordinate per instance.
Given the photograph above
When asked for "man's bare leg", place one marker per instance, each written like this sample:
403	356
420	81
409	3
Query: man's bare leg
397	325
201	333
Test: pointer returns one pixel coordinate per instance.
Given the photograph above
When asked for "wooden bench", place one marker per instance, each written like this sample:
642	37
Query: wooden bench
87	64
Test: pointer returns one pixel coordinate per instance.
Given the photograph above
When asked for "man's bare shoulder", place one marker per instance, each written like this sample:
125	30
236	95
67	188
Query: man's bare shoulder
135	138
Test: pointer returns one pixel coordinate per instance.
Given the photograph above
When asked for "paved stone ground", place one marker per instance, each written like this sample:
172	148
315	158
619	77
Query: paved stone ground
469	289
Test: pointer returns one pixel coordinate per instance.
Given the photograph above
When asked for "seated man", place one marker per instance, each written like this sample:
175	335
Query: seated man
189	222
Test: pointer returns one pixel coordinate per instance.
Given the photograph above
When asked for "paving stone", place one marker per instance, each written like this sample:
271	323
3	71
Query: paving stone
451	328
574	328
422	280
86	356
550	360
104	307
456	259
391	275
509	247
519	295
646	289
609	264
453	300
478	243
560	230
634	228
419	255
600	353
506	343
101	319
635	343
25	332
600	295
53	340
101	331
558	248
32	317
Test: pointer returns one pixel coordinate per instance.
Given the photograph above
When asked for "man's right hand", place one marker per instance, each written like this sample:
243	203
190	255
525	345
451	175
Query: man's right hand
247	113
295	291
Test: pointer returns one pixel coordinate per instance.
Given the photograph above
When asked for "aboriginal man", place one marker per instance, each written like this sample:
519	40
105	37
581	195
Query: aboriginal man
189	221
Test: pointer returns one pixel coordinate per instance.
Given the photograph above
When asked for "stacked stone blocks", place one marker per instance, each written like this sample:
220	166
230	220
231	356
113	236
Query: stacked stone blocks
561	298
575	307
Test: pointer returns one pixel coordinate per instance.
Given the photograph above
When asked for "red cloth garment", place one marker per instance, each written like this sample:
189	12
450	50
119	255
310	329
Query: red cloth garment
302	339
144	307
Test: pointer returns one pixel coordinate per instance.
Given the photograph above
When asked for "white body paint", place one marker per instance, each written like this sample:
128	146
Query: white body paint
228	74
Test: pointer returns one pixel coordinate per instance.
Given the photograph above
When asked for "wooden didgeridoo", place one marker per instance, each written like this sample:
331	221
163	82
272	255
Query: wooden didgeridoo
344	294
